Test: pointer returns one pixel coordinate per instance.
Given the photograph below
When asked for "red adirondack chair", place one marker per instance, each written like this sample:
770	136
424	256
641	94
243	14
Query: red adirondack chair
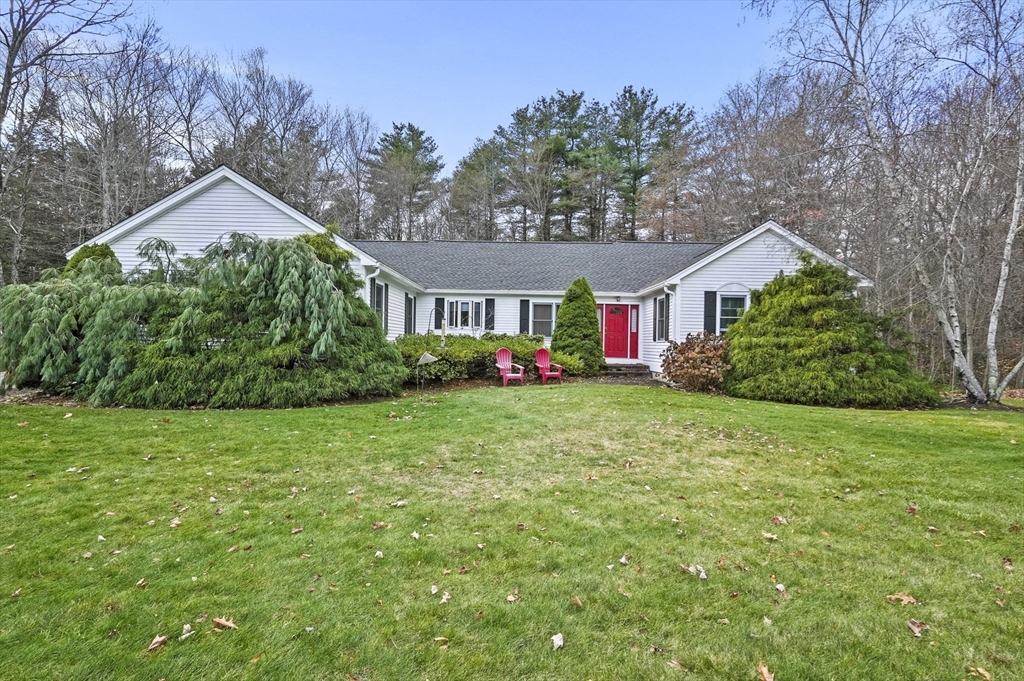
505	364
544	366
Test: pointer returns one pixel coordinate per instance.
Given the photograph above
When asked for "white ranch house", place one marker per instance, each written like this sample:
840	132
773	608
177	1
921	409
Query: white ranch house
647	292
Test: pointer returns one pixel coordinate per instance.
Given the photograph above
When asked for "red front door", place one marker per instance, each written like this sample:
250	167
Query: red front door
616	330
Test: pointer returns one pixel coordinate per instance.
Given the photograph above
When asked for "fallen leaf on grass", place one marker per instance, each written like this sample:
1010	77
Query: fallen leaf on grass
433	589
980	673
380	525
157	643
912	510
222	623
781	588
557	641
917	627
514	596
186	631
233	548
445	597
415	535
676	664
141	583
779	520
175	522
769	535
22	424
575	600
903	598
17	592
296	530
762	670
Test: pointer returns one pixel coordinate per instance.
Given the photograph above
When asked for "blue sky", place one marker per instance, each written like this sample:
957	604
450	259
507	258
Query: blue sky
459	69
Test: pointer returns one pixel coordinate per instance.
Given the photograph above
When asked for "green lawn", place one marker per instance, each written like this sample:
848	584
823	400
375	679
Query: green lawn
589	473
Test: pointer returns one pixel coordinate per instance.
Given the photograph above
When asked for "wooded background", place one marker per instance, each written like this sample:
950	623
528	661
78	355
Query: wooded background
891	135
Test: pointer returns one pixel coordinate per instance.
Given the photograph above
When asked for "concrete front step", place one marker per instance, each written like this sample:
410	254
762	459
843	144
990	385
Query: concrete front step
627	370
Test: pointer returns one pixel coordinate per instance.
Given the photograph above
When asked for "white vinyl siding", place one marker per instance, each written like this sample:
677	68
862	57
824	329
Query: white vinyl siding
749	267
223	208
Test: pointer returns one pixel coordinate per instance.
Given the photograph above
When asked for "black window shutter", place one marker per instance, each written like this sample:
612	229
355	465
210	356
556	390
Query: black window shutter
524	316
710	312
438	312
654	318
668	316
489	314
385	306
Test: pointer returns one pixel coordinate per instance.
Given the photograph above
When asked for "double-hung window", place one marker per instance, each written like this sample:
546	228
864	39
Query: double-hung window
544	318
662	312
730	309
410	314
379	301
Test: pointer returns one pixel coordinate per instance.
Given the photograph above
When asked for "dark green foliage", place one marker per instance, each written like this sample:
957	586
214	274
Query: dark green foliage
576	328
96	251
253	323
806	339
468	357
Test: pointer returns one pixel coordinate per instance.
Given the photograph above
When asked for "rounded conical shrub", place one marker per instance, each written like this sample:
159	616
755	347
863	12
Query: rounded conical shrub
806	339
576	328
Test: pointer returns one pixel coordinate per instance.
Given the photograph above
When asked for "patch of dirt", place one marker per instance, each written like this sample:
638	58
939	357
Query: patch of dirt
35	396
961	402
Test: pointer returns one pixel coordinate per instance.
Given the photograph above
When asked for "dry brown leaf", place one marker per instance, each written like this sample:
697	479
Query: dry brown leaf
917	627
575	600
22	424
222	623
296	530
903	598
779	520
762	670
157	643
17	592
769	535
141	583
980	673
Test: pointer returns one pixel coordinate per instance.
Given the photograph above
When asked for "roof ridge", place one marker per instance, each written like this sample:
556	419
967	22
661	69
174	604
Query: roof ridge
538	243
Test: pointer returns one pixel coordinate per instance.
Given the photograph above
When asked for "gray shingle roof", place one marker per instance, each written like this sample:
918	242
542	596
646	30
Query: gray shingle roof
534	265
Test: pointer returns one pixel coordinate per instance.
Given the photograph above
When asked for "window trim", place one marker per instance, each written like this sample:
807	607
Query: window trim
533	317
730	294
661	317
454	313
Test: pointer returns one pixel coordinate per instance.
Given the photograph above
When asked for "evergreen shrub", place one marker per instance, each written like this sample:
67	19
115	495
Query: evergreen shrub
96	251
806	339
252	323
469	357
577	331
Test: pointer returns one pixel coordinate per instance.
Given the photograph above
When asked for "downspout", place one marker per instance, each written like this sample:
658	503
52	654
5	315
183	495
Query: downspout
368	278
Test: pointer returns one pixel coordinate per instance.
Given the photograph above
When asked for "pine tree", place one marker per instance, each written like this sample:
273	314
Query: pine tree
806	339
576	328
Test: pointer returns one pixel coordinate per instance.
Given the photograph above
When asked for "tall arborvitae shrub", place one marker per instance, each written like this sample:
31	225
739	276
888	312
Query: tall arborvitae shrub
576	328
259	324
806	339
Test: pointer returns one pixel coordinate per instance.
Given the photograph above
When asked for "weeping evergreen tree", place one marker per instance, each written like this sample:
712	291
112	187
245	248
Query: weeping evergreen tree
252	323
576	328
806	339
